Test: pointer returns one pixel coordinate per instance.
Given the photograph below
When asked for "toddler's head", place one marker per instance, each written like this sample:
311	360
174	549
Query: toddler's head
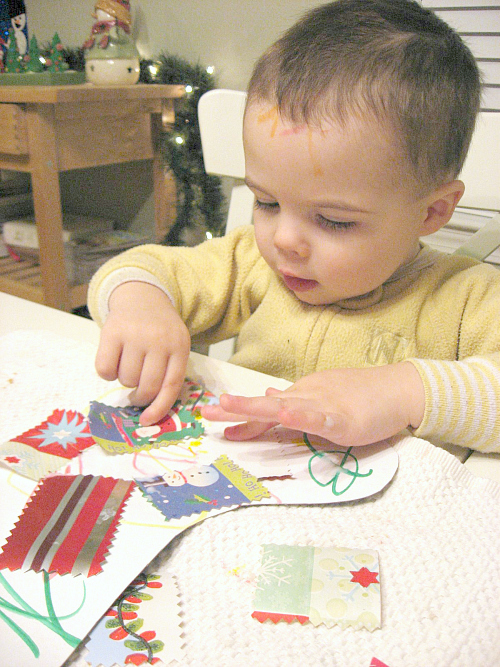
391	60
357	123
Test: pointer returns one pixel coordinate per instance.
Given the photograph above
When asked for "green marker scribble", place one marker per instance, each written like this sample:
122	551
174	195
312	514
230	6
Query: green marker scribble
51	621
354	474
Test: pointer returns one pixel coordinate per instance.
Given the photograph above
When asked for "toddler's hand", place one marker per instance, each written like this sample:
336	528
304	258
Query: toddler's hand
144	344
348	406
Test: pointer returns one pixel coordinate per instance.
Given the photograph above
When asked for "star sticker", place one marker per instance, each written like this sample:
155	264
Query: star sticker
364	577
62	434
12	459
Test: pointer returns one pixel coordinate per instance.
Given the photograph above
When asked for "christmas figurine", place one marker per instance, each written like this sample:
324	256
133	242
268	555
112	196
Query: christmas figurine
17	13
33	62
111	57
13	61
56	62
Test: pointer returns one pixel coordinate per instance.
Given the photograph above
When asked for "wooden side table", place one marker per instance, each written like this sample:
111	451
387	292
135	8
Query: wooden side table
45	130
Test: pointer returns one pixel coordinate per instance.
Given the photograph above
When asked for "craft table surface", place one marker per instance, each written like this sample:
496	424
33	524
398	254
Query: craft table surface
18	314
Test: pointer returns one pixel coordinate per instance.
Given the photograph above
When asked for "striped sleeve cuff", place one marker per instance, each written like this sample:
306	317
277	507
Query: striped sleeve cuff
462	401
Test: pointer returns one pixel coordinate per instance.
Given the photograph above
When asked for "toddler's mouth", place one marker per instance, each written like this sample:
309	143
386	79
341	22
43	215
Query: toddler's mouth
298	284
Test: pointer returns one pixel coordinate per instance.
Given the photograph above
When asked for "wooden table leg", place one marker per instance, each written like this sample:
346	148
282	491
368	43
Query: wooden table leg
165	191
47	204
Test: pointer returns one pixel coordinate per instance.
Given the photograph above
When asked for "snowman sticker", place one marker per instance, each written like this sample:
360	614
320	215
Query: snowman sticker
201	488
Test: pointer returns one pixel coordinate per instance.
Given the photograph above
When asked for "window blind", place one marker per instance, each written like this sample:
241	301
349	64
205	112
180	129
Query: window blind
478	23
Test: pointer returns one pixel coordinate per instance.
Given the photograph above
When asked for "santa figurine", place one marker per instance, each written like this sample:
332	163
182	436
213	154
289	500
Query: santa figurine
111	57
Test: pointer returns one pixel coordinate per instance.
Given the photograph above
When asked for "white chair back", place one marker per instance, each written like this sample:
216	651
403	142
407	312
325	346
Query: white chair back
481	175
220	117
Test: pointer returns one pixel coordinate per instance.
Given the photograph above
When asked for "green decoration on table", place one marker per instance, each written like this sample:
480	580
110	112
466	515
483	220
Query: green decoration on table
14	62
50	65
33	62
56	62
199	195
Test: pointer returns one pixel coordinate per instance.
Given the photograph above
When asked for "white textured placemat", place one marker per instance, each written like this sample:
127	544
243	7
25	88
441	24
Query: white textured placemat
436	528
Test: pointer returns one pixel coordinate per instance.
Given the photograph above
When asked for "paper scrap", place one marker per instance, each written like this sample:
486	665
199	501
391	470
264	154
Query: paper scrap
201	488
142	627
67	525
48	446
377	663
330	585
117	429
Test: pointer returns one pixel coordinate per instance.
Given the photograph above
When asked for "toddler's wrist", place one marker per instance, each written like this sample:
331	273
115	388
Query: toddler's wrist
413	393
136	294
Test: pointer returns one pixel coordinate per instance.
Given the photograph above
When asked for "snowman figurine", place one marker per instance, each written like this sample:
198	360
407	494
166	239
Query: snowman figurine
111	57
18	22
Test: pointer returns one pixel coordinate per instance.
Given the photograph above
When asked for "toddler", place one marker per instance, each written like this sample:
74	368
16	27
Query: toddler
357	124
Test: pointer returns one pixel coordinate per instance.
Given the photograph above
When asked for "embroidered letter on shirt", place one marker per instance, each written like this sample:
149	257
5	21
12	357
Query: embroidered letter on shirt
386	348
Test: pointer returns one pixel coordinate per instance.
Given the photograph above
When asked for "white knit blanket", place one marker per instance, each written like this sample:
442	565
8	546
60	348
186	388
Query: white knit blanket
436	528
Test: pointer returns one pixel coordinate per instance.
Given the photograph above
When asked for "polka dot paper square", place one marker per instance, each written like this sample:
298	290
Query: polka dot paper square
330	585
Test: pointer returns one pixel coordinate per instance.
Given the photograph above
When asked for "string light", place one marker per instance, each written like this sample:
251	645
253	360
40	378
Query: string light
208	235
153	69
179	140
210	69
189	89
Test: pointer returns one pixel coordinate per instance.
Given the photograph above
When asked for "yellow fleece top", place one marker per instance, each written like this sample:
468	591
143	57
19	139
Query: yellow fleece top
441	312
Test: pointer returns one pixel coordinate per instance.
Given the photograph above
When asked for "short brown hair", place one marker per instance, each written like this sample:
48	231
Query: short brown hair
392	59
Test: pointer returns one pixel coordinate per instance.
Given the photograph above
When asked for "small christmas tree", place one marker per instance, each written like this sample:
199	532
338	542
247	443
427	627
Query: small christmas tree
13	60
33	62
56	61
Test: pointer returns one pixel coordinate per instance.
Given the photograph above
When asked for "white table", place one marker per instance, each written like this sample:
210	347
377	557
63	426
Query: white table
17	314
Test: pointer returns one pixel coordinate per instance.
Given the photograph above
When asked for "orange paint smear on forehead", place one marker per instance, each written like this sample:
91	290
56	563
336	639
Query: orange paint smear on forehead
296	129
273	115
317	171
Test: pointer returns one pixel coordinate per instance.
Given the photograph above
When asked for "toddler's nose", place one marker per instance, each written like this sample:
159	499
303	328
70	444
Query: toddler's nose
290	238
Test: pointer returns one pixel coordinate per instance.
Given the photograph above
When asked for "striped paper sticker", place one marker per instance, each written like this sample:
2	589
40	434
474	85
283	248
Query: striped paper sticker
67	525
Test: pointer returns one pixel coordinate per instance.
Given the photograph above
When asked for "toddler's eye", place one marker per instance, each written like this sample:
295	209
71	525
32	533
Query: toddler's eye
334	224
266	206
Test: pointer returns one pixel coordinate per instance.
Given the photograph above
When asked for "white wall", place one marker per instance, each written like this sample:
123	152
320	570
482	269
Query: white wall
228	34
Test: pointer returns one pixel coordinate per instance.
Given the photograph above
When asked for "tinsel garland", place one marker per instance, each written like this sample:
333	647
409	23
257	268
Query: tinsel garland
200	198
199	195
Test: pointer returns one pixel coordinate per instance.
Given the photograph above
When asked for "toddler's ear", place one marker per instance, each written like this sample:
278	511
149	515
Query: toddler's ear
440	206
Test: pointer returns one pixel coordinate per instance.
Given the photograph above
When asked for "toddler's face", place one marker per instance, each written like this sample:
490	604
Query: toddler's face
334	216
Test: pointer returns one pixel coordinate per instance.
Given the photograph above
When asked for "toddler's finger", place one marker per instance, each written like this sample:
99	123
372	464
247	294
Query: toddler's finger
248	430
150	383
107	359
261	408
169	391
217	414
272	391
329	426
130	367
